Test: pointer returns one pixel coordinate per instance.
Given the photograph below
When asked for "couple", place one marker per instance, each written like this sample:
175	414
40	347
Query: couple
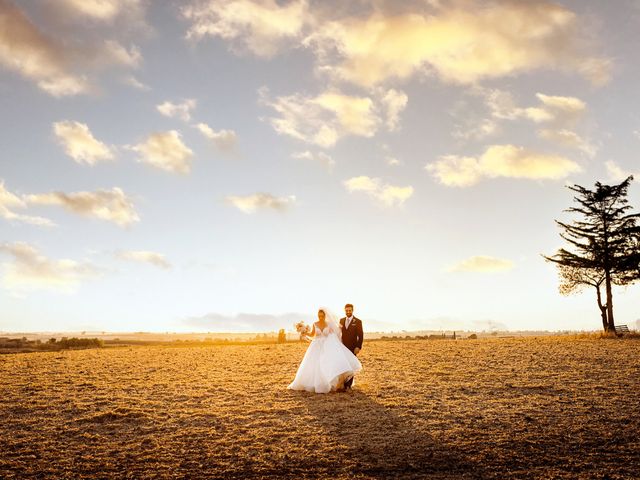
330	362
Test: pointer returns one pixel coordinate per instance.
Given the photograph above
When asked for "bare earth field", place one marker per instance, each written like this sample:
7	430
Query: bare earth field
501	408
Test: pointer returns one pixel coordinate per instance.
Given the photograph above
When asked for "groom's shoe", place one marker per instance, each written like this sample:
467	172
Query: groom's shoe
347	383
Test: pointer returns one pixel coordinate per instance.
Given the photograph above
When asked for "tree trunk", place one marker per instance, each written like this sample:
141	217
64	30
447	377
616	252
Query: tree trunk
603	310
610	325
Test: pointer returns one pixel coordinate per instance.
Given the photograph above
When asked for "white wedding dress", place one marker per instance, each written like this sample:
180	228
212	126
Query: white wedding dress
326	362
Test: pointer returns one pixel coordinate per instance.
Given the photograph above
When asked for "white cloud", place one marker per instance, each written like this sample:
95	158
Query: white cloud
501	103
324	119
319	157
144	256
59	58
9	201
457	42
30	270
394	102
456	171
116	53
392	161
27	51
569	139
501	161
617	173
260	201
110	205
260	26
388	195
224	140
135	83
80	144
165	150
177	110
562	111
475	129
482	263
96	9
102	10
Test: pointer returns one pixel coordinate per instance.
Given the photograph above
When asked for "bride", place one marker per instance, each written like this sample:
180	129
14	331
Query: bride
327	363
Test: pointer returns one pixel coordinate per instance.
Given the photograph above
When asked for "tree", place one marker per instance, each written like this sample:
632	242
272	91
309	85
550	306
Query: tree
605	245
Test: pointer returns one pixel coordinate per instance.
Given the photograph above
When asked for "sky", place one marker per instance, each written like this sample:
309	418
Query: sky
233	165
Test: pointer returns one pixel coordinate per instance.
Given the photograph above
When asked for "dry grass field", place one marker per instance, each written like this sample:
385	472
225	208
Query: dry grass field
497	409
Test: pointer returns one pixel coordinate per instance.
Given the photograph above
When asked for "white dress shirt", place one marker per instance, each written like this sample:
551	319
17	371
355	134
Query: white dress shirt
347	322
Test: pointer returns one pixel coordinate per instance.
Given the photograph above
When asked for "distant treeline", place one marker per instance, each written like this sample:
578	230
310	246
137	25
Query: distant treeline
267	339
17	345
442	336
262	338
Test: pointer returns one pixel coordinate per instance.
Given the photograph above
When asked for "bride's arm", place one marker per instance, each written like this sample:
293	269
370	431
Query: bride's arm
309	336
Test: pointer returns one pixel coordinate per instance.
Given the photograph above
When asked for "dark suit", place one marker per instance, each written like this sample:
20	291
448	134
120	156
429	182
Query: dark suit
352	337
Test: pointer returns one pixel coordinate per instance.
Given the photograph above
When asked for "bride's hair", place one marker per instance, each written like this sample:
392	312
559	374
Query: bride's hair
331	320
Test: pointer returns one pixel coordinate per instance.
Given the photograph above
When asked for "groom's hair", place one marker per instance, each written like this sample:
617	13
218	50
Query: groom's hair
348	305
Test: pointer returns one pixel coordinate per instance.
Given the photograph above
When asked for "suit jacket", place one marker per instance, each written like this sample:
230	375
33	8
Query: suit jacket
352	337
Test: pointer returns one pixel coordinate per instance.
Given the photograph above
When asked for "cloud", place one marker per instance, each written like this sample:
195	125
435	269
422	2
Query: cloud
392	161
80	144
27	51
135	83
388	195
475	129
501	161
482	263
324	119
245	322
462	42
567	138
617	173
561	111
319	157
177	110
456	171
261	201
115	53
259	26
144	256
58	61
394	102
31	270
556	109
102	10
518	162
9	201
166	151
458	43
110	205
224	140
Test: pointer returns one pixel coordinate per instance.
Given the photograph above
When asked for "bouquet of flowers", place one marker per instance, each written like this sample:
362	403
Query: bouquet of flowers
303	329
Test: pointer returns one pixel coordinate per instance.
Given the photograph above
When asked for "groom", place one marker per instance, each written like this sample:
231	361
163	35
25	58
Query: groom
351	335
